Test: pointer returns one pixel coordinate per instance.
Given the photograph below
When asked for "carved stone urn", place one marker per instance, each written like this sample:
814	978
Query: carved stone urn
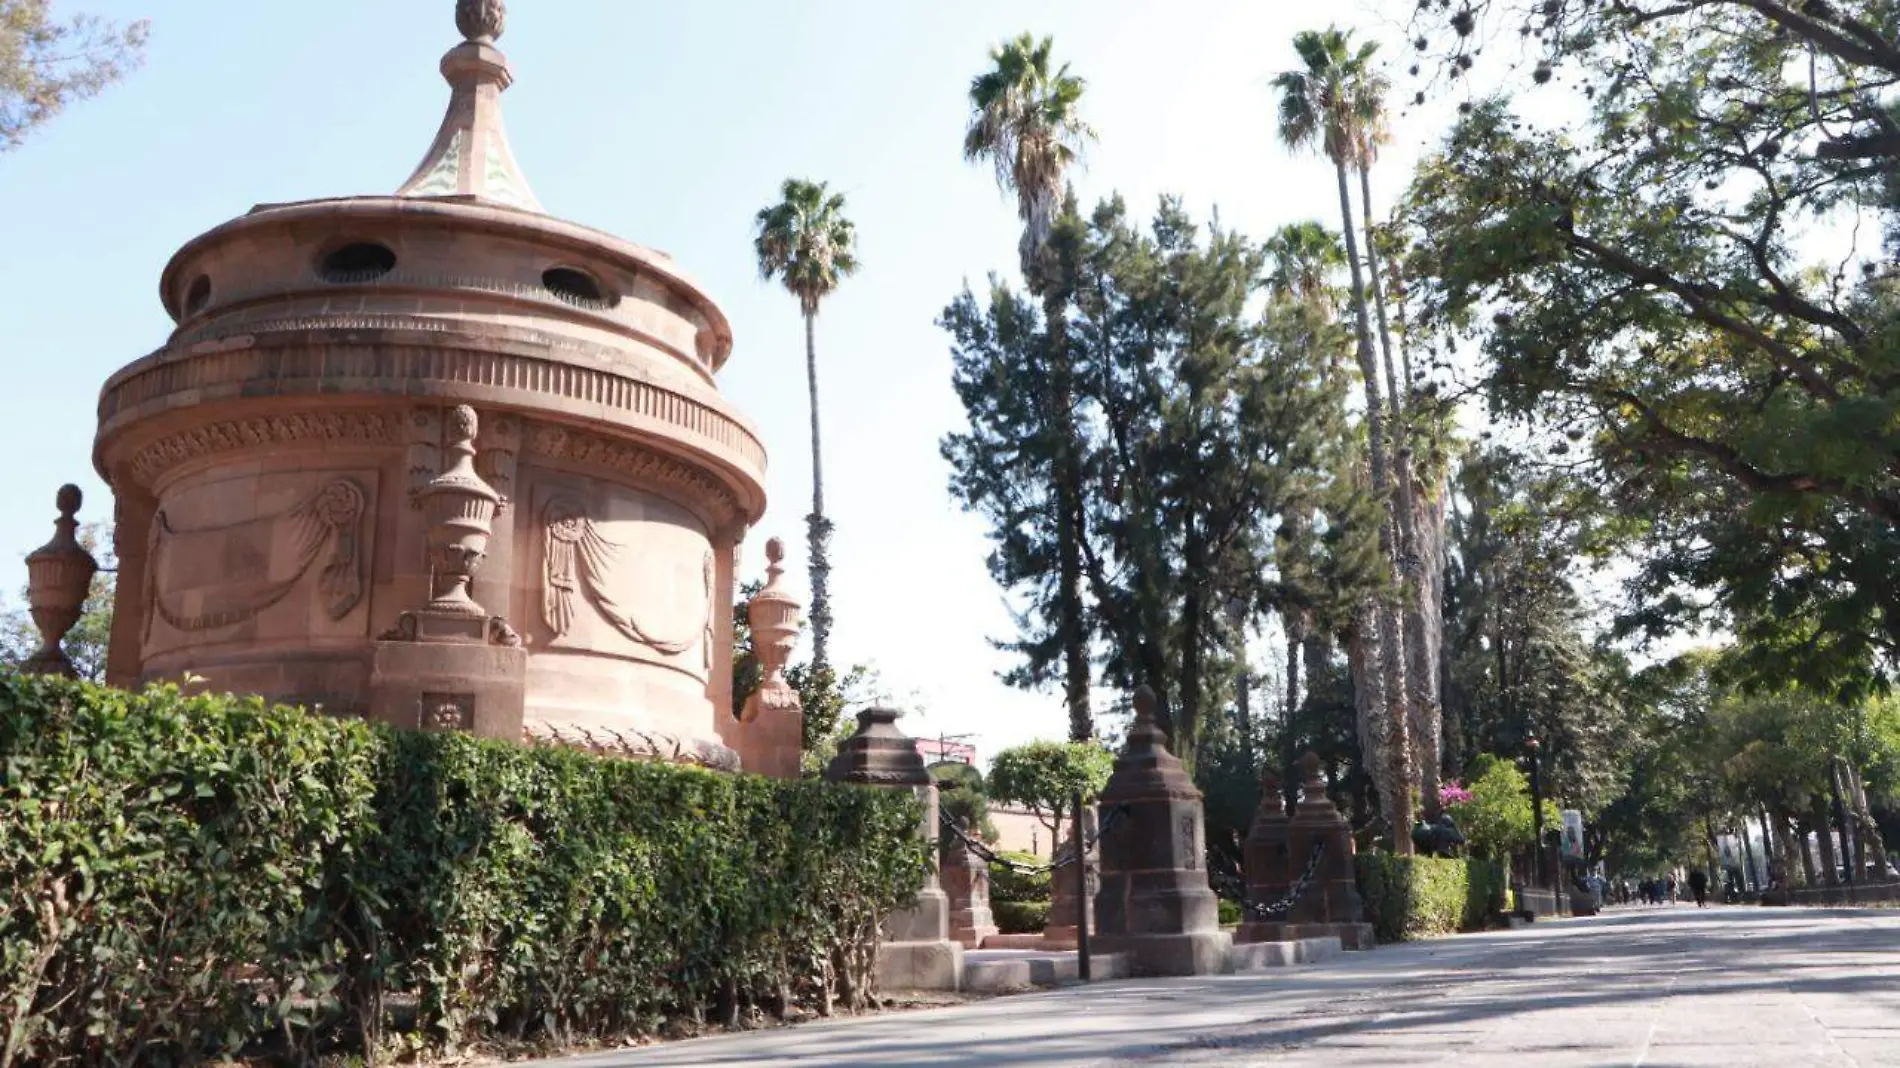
773	614
460	508
58	577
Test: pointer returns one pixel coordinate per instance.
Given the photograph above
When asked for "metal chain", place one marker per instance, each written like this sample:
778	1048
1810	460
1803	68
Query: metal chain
1285	904
1109	822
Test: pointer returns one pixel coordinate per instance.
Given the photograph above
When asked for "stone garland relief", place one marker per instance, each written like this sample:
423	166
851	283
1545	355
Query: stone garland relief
581	564
331	517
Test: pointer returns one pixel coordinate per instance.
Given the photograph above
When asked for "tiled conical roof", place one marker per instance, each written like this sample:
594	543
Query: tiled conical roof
470	155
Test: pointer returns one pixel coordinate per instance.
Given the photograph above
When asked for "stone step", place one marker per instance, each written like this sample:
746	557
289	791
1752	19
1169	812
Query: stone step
1255	956
999	970
1035	942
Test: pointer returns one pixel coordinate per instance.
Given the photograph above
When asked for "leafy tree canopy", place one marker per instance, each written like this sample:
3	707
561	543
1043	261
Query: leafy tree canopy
47	63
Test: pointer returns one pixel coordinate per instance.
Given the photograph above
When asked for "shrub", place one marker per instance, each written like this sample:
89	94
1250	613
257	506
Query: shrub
1020	917
1229	912
1008	884
191	877
1422	897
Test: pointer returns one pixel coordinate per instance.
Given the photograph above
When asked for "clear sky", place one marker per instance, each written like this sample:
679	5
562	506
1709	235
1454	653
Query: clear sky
670	124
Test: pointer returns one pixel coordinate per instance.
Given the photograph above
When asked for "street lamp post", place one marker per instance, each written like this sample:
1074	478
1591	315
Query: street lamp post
1537	813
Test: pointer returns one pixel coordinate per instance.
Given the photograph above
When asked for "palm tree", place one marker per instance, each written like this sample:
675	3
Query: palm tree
1302	260
806	242
1322	107
1025	121
1421	509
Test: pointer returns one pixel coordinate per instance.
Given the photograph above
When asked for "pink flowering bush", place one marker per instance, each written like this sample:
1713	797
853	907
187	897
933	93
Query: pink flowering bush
1451	793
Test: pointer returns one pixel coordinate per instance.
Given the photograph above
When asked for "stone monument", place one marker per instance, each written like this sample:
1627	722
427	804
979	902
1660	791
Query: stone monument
966	886
276	464
1267	860
1328	905
917	953
1155	904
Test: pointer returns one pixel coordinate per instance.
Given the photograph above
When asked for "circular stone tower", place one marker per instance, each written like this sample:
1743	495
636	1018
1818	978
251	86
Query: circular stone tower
268	461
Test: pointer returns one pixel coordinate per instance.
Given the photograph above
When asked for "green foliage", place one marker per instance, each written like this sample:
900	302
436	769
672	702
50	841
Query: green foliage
191	877
46	64
1008	884
1497	820
1199	419
1020	917
963	796
1043	777
1641	276
1229	912
1423	897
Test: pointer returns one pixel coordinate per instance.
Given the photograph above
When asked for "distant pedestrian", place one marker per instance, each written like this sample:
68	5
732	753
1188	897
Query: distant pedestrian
1699	886
1670	885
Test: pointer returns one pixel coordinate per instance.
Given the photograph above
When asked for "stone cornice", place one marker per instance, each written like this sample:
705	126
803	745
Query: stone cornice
408	362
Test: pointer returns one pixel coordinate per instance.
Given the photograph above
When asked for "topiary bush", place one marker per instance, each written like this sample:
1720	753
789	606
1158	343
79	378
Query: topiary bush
1423	897
184	878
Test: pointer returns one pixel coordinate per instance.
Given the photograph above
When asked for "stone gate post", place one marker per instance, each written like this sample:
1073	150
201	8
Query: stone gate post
917	953
1155	904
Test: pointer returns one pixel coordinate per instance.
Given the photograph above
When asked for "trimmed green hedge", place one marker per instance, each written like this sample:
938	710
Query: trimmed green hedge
188	877
1020	917
1422	897
1008	884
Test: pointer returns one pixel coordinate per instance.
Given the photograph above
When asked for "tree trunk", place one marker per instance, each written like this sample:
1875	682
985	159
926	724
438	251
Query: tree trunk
1295	628
1420	587
1075	652
817	526
1391	630
1870	837
1824	840
1188	721
1364	658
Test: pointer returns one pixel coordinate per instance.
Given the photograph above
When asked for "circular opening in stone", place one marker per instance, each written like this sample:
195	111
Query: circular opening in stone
576	287
358	261
198	295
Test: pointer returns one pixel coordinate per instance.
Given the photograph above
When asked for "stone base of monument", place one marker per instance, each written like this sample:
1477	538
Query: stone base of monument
999	970
467	686
1254	956
1351	936
932	965
1192	953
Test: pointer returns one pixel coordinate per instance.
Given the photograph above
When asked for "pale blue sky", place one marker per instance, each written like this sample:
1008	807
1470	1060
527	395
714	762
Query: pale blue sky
668	124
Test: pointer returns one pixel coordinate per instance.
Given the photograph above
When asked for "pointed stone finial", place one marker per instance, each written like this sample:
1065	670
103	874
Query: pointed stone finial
481	20
1310	765
470	156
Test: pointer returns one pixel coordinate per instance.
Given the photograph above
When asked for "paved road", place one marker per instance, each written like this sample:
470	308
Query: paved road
1657	988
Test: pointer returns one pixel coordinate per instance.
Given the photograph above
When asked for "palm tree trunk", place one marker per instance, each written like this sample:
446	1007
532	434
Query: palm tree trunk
1391	629
817	526
1423	610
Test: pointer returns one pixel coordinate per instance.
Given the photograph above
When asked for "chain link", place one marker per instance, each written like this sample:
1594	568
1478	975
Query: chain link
989	856
1268	910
